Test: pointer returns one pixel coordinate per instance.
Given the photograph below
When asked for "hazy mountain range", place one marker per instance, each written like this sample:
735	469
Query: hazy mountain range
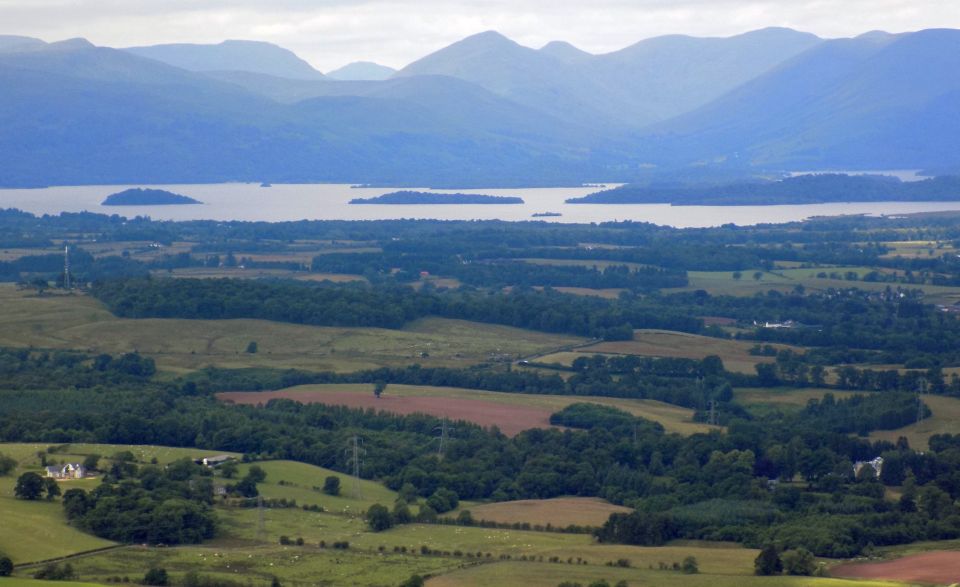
484	110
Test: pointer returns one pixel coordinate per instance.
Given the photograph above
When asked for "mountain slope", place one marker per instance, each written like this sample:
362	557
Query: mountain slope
675	74
886	101
526	76
645	83
18	43
122	118
253	56
362	71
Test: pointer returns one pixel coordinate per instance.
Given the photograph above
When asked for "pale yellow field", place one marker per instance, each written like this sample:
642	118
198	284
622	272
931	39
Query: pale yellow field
945	420
559	511
667	343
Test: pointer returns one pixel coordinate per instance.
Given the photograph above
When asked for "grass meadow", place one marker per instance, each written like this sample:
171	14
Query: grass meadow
80	322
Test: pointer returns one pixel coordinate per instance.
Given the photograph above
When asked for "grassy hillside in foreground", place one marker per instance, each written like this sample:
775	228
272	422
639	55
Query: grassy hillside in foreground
80	322
38	530
21	582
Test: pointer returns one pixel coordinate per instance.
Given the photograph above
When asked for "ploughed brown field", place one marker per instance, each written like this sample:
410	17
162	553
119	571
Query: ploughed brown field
942	568
511	419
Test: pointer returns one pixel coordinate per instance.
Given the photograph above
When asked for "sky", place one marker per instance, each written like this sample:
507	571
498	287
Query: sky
331	33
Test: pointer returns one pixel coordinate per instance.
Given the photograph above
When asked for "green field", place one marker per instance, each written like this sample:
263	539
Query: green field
21	582
300	479
257	565
82	323
945	418
723	283
38	530
918	249
785	397
591	263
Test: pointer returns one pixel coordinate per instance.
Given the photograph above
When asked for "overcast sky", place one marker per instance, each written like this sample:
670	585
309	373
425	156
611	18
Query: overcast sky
330	33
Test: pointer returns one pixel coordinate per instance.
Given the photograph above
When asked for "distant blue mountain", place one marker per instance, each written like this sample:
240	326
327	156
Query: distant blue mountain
120	118
483	111
876	101
252	56
645	83
362	71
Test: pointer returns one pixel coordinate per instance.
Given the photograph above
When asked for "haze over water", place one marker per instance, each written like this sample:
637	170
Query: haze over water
289	202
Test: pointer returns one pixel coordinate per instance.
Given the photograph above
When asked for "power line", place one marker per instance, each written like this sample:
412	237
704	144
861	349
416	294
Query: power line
66	266
444	429
355	451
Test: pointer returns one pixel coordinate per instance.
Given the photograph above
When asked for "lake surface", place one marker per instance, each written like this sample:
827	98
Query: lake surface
241	201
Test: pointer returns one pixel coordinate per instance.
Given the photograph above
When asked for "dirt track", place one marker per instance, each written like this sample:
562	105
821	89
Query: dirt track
511	419
941	567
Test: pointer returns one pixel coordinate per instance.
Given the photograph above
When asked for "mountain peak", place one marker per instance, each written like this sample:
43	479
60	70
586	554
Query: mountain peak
565	51
362	71
488	39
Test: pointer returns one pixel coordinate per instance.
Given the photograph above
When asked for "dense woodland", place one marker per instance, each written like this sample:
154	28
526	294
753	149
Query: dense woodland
783	476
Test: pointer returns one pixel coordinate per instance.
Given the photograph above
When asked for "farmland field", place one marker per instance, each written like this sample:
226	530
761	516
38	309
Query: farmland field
559	511
786	397
300	479
610	293
81	322
547	575
259	564
932	567
667	343
38	530
723	283
512	412
945	420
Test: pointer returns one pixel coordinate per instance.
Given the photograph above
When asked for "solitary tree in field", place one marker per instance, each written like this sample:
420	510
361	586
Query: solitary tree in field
758	275
737	275
29	486
768	561
331	485
379	388
379	518
6	566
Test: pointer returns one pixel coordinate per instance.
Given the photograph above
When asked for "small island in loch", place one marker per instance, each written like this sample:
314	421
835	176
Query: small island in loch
410	198
147	197
545	214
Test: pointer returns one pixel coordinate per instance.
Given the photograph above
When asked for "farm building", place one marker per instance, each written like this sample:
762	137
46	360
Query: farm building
213	461
876	464
67	471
